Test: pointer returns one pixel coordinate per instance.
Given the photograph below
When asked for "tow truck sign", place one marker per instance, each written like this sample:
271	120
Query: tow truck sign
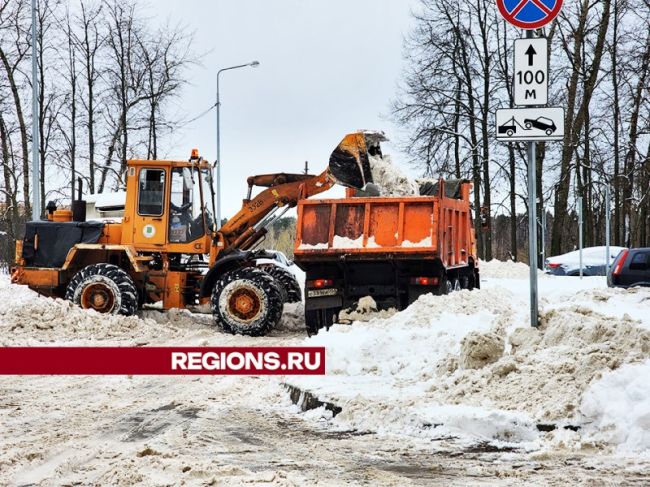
531	71
532	124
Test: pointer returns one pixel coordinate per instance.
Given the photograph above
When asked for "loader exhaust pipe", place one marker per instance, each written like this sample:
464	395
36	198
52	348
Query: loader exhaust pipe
78	206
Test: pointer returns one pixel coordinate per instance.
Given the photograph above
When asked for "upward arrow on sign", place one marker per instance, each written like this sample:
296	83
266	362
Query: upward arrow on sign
530	52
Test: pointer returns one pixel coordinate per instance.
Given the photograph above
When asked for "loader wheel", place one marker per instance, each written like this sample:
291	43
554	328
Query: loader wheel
286	281
246	301
105	288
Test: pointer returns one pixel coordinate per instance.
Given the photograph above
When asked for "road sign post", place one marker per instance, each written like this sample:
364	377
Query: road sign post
532	220
533	123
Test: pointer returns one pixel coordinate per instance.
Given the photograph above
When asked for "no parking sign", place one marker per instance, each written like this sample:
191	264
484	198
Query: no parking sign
529	14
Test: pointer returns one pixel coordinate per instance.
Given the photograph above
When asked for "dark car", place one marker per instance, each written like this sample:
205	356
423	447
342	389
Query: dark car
541	123
630	268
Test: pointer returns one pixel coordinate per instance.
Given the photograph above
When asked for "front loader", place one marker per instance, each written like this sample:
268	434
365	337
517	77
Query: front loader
167	248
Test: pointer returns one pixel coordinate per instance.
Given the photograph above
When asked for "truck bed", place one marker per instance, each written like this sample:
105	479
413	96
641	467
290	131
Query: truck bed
422	227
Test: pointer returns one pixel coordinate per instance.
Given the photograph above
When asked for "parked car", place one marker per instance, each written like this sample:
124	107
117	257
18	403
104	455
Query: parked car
630	268
593	262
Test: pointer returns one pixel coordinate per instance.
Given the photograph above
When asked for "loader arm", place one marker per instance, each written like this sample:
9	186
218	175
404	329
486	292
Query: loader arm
243	230
348	166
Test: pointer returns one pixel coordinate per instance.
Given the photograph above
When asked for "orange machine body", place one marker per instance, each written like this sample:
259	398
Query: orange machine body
429	226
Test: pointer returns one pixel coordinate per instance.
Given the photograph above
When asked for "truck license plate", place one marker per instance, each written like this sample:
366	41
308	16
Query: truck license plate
317	293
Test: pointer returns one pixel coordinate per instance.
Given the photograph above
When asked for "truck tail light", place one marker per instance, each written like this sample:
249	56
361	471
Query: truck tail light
425	281
621	263
320	283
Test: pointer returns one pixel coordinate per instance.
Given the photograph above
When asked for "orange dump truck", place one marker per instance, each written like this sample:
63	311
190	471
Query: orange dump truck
391	248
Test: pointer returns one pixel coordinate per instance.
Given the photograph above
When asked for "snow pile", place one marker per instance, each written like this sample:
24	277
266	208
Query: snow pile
633	303
381	371
499	269
547	370
469	361
616	408
365	309
391	181
480	349
28	319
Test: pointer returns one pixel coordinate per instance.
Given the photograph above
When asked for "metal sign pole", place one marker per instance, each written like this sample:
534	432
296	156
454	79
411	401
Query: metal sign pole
532	234
580	232
532	226
607	213
542	225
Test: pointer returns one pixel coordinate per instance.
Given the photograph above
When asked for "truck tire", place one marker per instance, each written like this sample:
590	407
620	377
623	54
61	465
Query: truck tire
320	318
246	301
286	281
105	288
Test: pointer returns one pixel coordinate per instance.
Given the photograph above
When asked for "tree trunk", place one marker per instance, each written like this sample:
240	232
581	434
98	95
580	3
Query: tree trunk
23	130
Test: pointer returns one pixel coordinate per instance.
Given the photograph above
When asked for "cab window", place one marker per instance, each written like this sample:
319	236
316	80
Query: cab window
151	192
185	216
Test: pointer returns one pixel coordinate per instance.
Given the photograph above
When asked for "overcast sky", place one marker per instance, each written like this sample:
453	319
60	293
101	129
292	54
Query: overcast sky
327	67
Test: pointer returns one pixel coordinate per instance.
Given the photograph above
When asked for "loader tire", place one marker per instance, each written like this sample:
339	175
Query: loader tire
105	288
286	281
246	301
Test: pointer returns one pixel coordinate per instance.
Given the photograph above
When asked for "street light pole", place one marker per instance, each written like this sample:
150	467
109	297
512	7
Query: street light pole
253	64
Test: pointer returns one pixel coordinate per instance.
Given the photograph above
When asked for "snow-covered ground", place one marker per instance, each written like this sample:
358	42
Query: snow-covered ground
455	390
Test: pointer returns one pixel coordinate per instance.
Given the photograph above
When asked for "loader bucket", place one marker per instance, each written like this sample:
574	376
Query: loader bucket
350	163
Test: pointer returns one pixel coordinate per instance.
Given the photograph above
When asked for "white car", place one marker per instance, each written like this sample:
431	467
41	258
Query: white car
594	262
276	263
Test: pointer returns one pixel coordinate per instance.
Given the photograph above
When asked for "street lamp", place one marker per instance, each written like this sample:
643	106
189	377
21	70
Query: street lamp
252	64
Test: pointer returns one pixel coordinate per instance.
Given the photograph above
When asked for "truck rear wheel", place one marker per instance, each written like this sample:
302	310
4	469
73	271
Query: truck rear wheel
286	281
105	288
246	301
316	319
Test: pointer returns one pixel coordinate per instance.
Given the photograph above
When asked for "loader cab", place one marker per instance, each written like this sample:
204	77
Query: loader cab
169	206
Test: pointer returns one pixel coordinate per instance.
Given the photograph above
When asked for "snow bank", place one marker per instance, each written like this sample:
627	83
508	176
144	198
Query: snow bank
30	319
381	372
616	408
469	364
27	319
499	269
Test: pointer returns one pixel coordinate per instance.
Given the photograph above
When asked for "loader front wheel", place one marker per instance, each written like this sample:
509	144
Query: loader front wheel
105	288
246	301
